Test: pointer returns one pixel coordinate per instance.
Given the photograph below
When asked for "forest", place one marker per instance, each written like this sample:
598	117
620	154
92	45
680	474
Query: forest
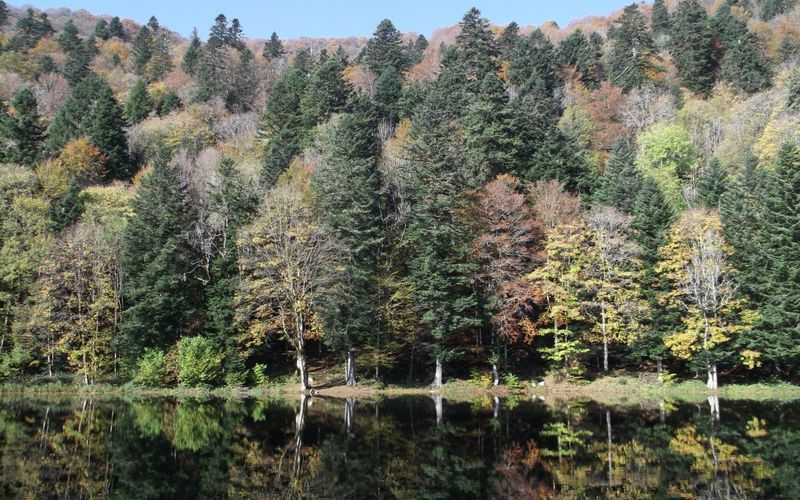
497	203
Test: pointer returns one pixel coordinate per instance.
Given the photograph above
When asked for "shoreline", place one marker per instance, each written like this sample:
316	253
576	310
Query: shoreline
609	390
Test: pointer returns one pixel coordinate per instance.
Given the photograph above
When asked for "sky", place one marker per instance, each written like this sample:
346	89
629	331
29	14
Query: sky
335	18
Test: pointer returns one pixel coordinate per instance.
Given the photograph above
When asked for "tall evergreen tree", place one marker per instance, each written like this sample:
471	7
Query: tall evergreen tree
139	103
384	49
29	30
142	50
106	131
577	53
78	64
327	93
532	65
630	61
115	28
745	65
273	49
101	30
162	293
68	38
72	119
660	19
508	39
193	54
387	93
712	184
22	130
692	46
619	184
242	93
347	190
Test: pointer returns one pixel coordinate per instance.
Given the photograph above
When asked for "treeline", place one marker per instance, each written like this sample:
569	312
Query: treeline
573	206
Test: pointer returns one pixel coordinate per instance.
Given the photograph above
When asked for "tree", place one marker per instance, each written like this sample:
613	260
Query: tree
72	120
660	20
712	184
242	93
326	93
630	62
612	279
696	263
289	262
507	248
692	46
193	53
115	29
347	189
22	130
745	65
532	66
142	50
619	184
162	292
508	39
68	38
29	30
384	49
273	49
139	104
101	30
106	132
387	93
3	13
577	53
438	269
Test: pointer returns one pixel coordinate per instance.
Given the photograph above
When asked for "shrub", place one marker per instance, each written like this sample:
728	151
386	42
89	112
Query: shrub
259	374
199	362
152	367
480	378
513	382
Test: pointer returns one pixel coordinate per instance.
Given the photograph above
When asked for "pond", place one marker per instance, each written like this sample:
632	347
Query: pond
409	447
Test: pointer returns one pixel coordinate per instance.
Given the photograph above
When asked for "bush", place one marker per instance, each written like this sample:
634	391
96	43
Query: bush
259	374
152	369
199	362
513	382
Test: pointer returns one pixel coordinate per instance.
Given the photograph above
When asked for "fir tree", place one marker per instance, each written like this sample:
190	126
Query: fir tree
168	103
242	94
68	38
620	182
3	13
29	30
387	93
630	61
532	65
142	50
692	46
744	65
273	49
73	118
115	29
106	132
219	32
66	210
326	93
139	103
22	129
384	49
193	54
712	184
508	39
347	188
101	30
577	52
162	293
660	20
79	60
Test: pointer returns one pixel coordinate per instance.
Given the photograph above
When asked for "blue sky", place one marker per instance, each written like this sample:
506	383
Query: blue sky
336	18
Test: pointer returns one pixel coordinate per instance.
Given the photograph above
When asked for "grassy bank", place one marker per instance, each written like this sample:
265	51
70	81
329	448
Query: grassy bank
610	390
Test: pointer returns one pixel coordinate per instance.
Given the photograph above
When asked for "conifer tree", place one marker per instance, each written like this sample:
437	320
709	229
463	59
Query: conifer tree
630	61
745	66
577	53
115	28
139	103
3	13
101	30
692	46
29	30
142	50
712	184
387	93
79	60
242	94
22	129
162	293
68	38
72	119
273	49
106	131
347	190
532	65
619	184
66	210
508	39
660	19
384	49
193	54
327	93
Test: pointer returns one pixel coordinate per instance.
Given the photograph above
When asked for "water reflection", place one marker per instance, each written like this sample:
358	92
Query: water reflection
397	448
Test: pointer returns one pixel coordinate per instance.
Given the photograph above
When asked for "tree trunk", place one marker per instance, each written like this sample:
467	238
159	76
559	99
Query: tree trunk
301	367
300	423
349	411
496	408
712	377
660	371
608	432
713	403
437	378
350	369
437	403
605	337
495	375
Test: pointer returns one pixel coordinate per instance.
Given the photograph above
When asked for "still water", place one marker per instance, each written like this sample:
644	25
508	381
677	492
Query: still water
411	447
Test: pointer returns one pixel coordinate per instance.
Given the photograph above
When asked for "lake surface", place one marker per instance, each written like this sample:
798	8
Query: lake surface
407	447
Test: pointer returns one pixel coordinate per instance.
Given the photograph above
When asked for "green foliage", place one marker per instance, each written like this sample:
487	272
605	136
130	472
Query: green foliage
192	55
692	46
326	93
151	370
384	50
273	49
199	362
630	62
660	19
139	104
619	184
259	375
712	184
513	382
21	129
744	64
106	132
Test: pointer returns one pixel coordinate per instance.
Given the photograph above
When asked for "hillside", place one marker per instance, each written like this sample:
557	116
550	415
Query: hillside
494	202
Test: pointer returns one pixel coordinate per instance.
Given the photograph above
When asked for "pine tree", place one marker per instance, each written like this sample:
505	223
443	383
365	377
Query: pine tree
692	46
242	94
101	30
193	54
508	39
115	29
29	30
387	93
532	65
68	38
66	210
660	20
712	184
273	49
439	268
142	50
168	103
161	59
630	62
620	182
234	38
22	129
162	293
745	66
219	32
577	53
77	67
139	103
327	93
347	191
384	49
72	119
106	131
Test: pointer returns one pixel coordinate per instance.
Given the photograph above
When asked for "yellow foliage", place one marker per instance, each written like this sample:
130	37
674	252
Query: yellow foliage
53	177
781	129
83	161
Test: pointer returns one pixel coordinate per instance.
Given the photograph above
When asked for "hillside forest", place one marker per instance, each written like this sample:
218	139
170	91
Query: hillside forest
498	202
